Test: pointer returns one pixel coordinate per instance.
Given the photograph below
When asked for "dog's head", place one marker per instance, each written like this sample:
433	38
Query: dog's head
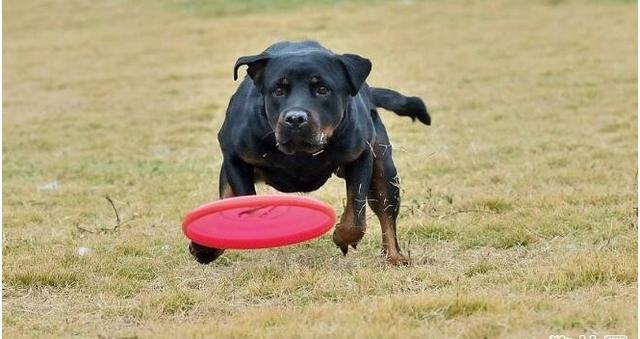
306	89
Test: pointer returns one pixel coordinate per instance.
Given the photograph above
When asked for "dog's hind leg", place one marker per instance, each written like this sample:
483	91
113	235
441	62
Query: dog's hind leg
384	195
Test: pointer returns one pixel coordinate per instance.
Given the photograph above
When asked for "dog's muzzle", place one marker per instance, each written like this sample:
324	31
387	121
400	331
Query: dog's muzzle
297	132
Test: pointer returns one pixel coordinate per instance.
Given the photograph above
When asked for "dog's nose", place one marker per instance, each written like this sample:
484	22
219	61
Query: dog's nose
296	118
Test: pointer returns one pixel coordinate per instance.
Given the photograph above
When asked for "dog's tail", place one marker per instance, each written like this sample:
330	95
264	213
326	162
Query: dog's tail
412	107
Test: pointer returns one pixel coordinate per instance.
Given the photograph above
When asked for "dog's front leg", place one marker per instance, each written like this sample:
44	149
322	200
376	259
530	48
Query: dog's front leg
236	179
352	225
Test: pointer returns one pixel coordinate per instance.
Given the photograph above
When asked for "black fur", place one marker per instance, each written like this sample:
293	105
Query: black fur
302	114
412	107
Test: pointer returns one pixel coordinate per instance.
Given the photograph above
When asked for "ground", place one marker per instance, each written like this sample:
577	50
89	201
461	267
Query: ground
519	202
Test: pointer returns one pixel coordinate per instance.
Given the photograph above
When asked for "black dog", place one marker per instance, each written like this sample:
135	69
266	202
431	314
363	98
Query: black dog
303	114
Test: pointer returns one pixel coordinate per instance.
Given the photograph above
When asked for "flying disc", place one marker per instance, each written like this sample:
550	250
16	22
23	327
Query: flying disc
258	221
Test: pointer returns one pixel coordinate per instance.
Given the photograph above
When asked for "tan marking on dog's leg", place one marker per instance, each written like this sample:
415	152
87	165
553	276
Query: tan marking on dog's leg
227	192
386	208
389	240
347	233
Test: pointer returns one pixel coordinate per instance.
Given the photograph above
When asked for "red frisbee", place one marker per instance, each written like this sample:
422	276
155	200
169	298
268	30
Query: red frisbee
258	221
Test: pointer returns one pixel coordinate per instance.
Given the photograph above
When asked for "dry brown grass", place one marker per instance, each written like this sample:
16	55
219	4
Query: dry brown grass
534	121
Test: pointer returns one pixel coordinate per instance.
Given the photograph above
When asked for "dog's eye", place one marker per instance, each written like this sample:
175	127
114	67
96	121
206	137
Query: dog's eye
279	91
322	90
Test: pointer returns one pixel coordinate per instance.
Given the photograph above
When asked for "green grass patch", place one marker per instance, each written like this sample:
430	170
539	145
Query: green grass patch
38	279
176	302
495	233
586	271
434	232
482	267
448	309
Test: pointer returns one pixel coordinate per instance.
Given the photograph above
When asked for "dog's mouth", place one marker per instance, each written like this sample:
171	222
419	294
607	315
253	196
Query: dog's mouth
300	146
305	139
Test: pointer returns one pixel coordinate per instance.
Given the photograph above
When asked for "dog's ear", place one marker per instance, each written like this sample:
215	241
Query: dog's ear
256	65
357	69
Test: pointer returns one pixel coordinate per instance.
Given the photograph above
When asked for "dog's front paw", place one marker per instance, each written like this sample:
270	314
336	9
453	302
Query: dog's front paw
204	255
345	236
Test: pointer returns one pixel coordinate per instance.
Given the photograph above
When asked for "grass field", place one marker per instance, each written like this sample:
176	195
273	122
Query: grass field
519	202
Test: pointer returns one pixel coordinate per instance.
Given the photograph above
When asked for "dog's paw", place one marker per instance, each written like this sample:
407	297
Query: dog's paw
204	255
398	260
345	236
